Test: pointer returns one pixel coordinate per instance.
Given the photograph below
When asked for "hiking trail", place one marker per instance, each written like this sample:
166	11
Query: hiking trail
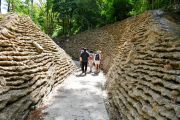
77	98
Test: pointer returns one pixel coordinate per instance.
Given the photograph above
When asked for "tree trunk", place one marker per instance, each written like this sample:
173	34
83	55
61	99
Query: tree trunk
0	6
32	10
70	26
152	4
63	28
12	6
9	5
51	24
47	17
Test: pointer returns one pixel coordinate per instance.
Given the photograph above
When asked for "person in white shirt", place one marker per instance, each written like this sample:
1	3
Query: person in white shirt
97	59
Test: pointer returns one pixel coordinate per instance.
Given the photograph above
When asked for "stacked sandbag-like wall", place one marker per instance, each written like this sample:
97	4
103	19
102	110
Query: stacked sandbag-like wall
105	39
144	80
30	65
141	56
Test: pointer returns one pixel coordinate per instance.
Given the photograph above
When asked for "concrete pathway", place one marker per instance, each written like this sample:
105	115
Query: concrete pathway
77	98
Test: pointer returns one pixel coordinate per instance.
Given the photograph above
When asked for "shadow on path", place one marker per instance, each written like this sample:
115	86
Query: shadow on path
79	97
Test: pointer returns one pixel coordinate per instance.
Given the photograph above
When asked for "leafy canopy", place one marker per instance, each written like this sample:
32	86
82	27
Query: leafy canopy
68	17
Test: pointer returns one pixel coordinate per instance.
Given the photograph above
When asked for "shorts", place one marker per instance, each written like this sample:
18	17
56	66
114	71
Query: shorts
90	63
97	62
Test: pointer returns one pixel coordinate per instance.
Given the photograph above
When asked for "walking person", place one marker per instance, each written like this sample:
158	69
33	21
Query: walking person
84	61
91	60
81	51
97	59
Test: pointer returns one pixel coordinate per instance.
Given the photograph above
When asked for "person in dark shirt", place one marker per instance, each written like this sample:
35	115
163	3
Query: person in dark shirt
84	60
81	51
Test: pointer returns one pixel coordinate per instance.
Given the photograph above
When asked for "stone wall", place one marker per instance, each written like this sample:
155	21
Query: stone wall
144	80
106	39
142	57
30	65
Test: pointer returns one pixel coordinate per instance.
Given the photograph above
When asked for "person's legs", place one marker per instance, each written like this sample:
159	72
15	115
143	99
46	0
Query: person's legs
90	65
98	69
96	65
90	68
80	64
85	64
82	67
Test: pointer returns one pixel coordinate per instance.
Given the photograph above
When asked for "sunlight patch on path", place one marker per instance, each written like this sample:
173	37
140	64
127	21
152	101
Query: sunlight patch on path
77	98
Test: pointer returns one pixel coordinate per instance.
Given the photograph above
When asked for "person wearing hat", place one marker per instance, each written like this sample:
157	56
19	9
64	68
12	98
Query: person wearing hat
84	60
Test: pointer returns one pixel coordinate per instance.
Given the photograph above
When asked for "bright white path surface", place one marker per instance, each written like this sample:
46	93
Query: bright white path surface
77	98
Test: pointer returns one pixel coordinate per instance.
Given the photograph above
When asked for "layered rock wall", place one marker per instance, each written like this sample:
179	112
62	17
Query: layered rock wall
105	39
30	65
142	57
144	80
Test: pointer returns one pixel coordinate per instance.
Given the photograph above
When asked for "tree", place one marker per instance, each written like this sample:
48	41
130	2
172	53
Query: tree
32	10
65	9
27	4
13	5
0	6
9	5
116	10
68	17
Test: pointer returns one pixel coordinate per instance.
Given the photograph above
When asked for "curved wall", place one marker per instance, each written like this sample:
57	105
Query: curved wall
141	56
144	80
30	65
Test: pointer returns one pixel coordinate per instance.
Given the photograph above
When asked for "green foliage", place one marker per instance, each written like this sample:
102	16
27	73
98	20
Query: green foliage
117	10
140	6
77	15
68	17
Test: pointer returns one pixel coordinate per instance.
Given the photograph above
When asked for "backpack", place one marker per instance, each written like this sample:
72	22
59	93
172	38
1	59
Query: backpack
97	57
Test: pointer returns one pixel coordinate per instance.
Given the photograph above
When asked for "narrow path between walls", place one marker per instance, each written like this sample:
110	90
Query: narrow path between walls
77	98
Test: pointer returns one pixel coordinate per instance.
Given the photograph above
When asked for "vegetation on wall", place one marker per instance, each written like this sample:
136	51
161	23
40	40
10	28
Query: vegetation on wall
68	17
